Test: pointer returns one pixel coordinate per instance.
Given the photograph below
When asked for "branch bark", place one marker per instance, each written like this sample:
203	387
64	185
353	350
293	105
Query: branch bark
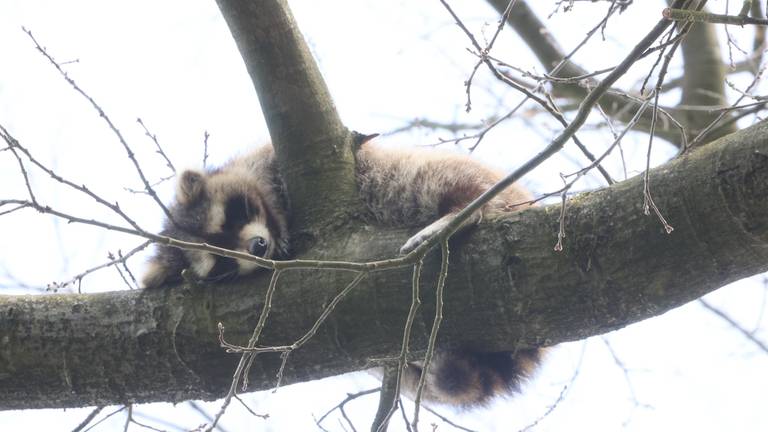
703	80
313	148
618	267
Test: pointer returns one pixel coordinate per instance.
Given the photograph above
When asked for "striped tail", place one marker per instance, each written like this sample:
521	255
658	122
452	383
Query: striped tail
466	378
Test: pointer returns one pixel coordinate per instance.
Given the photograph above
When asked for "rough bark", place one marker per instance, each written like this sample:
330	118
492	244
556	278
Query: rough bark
618	267
704	82
313	147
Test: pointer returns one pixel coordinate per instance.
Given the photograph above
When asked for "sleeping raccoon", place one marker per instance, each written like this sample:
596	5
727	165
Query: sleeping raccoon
238	206
241	206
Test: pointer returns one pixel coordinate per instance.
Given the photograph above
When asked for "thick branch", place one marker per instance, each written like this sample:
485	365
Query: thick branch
314	149
703	79
618	267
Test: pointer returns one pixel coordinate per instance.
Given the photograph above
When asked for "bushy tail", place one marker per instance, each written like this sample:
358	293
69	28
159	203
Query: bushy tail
466	378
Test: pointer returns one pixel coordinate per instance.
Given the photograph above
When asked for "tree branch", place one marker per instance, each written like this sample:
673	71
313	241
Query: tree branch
313	148
706	17
703	79
549	53
619	267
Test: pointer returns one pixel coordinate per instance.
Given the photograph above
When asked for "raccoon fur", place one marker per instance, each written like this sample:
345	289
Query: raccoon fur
241	206
238	206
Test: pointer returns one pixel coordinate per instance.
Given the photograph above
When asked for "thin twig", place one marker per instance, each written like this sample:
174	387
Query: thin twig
21	165
563	391
88	419
245	357
432	344
106	417
561	219
747	334
482	53
14	144
196	407
122	276
308	335
648	202
704	132
350	397
627	373
402	359
580	173
159	150
447	420
106	118
206	135
245	405
129	414
556	144
121	259
250	351
404	414
124	263
22	204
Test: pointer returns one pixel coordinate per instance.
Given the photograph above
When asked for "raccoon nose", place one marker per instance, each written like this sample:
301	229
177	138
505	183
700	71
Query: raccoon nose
258	246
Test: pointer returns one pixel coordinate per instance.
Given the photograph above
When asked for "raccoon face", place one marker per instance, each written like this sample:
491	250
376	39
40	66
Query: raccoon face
224	208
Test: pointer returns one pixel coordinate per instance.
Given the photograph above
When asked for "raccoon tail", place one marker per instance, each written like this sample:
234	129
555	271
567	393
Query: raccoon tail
466	378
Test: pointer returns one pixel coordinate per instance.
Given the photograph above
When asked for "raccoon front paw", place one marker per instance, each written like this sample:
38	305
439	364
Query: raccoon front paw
155	276
425	234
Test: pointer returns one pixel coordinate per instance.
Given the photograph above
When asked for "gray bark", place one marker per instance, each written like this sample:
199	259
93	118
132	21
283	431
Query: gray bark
313	147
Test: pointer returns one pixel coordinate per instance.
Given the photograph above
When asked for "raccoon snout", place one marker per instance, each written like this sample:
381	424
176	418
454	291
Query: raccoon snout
258	246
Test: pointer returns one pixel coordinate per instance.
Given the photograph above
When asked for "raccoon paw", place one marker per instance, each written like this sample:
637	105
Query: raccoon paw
425	234
155	275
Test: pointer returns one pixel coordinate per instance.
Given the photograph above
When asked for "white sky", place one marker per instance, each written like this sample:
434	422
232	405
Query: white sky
173	64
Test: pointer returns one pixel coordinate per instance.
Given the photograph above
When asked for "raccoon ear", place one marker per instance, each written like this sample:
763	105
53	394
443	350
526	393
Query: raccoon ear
358	139
190	187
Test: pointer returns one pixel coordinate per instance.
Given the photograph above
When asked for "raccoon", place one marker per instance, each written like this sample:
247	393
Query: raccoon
238	206
241	206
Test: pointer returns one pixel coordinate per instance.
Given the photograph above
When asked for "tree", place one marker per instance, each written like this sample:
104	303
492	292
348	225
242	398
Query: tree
616	266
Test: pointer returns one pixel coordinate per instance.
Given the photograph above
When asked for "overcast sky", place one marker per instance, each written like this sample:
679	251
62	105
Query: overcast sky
174	64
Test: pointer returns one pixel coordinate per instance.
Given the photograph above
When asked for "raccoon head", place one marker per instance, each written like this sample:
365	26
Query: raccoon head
228	208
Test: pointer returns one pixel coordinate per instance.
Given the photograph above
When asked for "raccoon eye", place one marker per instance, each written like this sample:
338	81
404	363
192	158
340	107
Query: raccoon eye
237	212
258	246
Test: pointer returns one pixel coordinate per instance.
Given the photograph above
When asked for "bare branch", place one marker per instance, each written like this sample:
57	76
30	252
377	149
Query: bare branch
121	259
547	104
686	15
432	344
350	397
14	144
106	118
88	419
536	35
556	144
159	150
747	334
306	131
